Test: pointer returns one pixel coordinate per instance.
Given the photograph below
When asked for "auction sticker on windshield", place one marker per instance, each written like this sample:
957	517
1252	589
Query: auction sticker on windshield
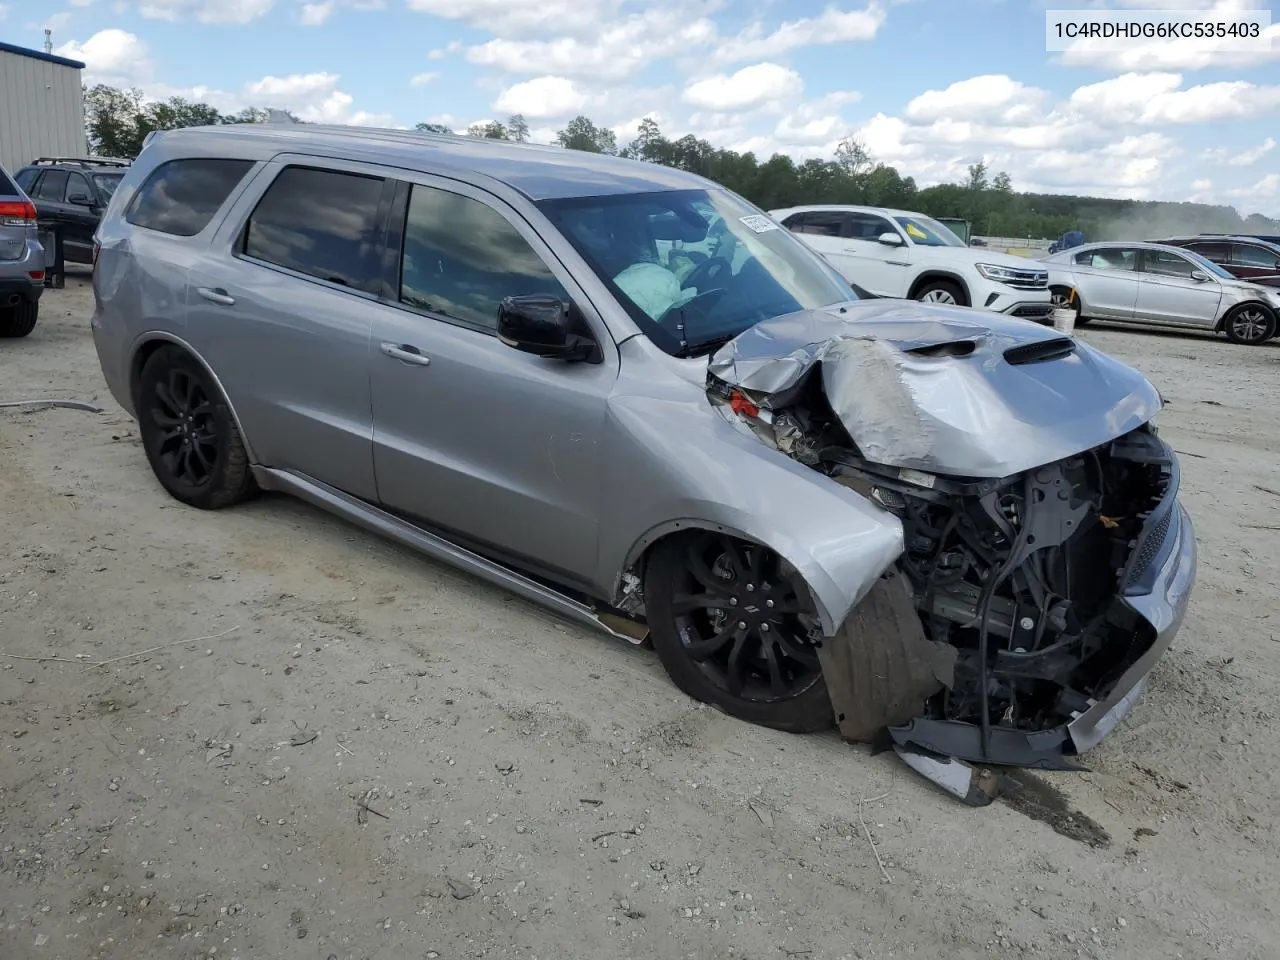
758	222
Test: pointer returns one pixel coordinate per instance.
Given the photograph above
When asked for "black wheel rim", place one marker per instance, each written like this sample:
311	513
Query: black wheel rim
184	419
742	619
1250	325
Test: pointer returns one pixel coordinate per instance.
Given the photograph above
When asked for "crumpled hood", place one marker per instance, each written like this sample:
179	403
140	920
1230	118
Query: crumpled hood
946	390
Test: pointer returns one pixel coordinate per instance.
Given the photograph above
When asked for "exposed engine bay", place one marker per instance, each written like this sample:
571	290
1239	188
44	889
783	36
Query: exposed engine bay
1023	575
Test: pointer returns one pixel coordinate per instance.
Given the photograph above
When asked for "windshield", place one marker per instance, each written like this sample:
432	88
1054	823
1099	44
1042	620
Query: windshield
695	268
926	232
1207	265
107	183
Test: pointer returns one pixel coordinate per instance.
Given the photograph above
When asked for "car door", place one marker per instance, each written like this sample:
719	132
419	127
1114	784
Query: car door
1107	281
1169	292
498	448
79	218
282	302
47	195
823	231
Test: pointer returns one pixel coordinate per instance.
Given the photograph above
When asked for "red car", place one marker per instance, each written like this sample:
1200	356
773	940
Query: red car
1248	258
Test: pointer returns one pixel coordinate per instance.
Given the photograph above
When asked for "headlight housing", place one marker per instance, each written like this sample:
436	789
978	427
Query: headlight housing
992	271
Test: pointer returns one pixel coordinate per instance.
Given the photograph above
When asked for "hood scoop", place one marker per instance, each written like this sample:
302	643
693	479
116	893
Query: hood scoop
1041	352
955	348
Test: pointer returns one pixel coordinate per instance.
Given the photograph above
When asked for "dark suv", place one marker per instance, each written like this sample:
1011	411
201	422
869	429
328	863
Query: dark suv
21	261
1248	258
71	194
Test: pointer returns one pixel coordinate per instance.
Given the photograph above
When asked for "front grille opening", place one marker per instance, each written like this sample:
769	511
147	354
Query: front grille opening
1042	352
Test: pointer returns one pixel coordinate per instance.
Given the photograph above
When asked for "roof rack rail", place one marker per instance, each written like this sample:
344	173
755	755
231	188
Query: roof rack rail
83	161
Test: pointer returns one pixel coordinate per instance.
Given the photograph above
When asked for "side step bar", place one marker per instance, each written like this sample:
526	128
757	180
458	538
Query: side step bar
385	524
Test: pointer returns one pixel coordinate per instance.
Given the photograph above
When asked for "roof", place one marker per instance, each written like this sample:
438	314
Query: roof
539	172
848	208
40	55
1219	238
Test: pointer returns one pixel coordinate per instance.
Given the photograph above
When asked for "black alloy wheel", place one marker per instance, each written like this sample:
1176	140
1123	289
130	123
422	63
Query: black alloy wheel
735	628
1250	324
189	434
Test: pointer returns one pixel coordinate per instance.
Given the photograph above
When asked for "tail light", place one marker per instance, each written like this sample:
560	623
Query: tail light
17	213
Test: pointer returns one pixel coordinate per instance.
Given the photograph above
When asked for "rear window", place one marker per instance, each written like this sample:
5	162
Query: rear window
6	185
27	177
323	223
181	196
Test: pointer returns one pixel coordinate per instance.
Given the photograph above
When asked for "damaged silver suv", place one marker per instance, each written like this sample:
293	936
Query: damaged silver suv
621	391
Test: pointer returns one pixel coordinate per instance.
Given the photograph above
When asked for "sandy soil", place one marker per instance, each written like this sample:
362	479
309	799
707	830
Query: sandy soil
534	790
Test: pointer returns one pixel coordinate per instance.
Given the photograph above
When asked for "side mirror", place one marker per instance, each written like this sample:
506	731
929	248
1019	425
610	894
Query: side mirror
80	200
543	325
890	240
1199	276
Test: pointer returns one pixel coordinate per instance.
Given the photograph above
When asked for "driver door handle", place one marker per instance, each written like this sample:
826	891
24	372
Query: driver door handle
216	295
405	353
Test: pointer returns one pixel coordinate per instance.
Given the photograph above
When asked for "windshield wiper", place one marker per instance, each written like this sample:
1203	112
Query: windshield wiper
697	348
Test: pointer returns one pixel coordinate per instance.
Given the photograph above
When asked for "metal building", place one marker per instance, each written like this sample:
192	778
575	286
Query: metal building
41	107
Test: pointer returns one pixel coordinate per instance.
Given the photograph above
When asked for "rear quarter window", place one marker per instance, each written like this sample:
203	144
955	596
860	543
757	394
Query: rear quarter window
181	196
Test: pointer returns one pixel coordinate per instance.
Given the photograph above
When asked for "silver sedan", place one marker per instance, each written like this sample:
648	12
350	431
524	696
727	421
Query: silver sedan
1154	283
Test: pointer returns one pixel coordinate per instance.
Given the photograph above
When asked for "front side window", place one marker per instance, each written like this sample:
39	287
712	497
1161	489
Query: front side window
323	223
695	268
927	232
867	226
1246	255
77	185
1166	264
181	196
462	258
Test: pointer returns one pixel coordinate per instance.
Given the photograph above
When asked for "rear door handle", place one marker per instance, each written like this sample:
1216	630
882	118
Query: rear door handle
406	354
216	295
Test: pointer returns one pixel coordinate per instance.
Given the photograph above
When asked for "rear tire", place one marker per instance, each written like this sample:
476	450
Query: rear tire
189	434
19	320
1249	324
945	292
700	591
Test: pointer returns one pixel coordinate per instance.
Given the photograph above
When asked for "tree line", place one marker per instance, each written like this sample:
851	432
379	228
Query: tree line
117	122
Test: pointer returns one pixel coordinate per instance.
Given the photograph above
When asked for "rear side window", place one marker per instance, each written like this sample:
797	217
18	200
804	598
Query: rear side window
323	223
6	186
26	178
181	196
1217	252
51	186
1248	256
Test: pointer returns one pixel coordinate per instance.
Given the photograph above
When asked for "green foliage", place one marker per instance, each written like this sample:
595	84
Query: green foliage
117	121
581	134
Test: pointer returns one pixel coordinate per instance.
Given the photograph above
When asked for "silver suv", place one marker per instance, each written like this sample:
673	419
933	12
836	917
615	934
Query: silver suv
622	391
21	261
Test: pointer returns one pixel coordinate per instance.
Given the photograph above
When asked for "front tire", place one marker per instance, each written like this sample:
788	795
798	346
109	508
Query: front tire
20	319
1249	324
189	435
732	625
1061	299
945	292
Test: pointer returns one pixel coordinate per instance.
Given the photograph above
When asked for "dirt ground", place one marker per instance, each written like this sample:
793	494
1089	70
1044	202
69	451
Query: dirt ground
368	756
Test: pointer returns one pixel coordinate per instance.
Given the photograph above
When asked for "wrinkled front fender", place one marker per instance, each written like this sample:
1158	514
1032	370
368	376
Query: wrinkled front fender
674	463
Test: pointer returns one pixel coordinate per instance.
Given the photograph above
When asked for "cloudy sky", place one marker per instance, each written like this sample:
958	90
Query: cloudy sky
929	85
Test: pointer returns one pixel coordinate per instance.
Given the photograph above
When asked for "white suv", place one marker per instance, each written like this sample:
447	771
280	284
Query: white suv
902	255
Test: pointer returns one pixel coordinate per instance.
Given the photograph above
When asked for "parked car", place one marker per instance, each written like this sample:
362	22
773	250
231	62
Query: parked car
1248	258
21	261
1157	283
70	195
477	348
894	253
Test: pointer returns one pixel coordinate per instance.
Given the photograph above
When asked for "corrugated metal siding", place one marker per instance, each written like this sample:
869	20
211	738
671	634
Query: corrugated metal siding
41	111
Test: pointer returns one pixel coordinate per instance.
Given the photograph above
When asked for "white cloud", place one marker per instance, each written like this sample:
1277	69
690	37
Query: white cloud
616	51
422	79
206	11
315	14
1268	186
542	97
748	88
831	26
517	16
993	98
1201	185
111	56
1226	157
4	11
1158	99
56	21
312	97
